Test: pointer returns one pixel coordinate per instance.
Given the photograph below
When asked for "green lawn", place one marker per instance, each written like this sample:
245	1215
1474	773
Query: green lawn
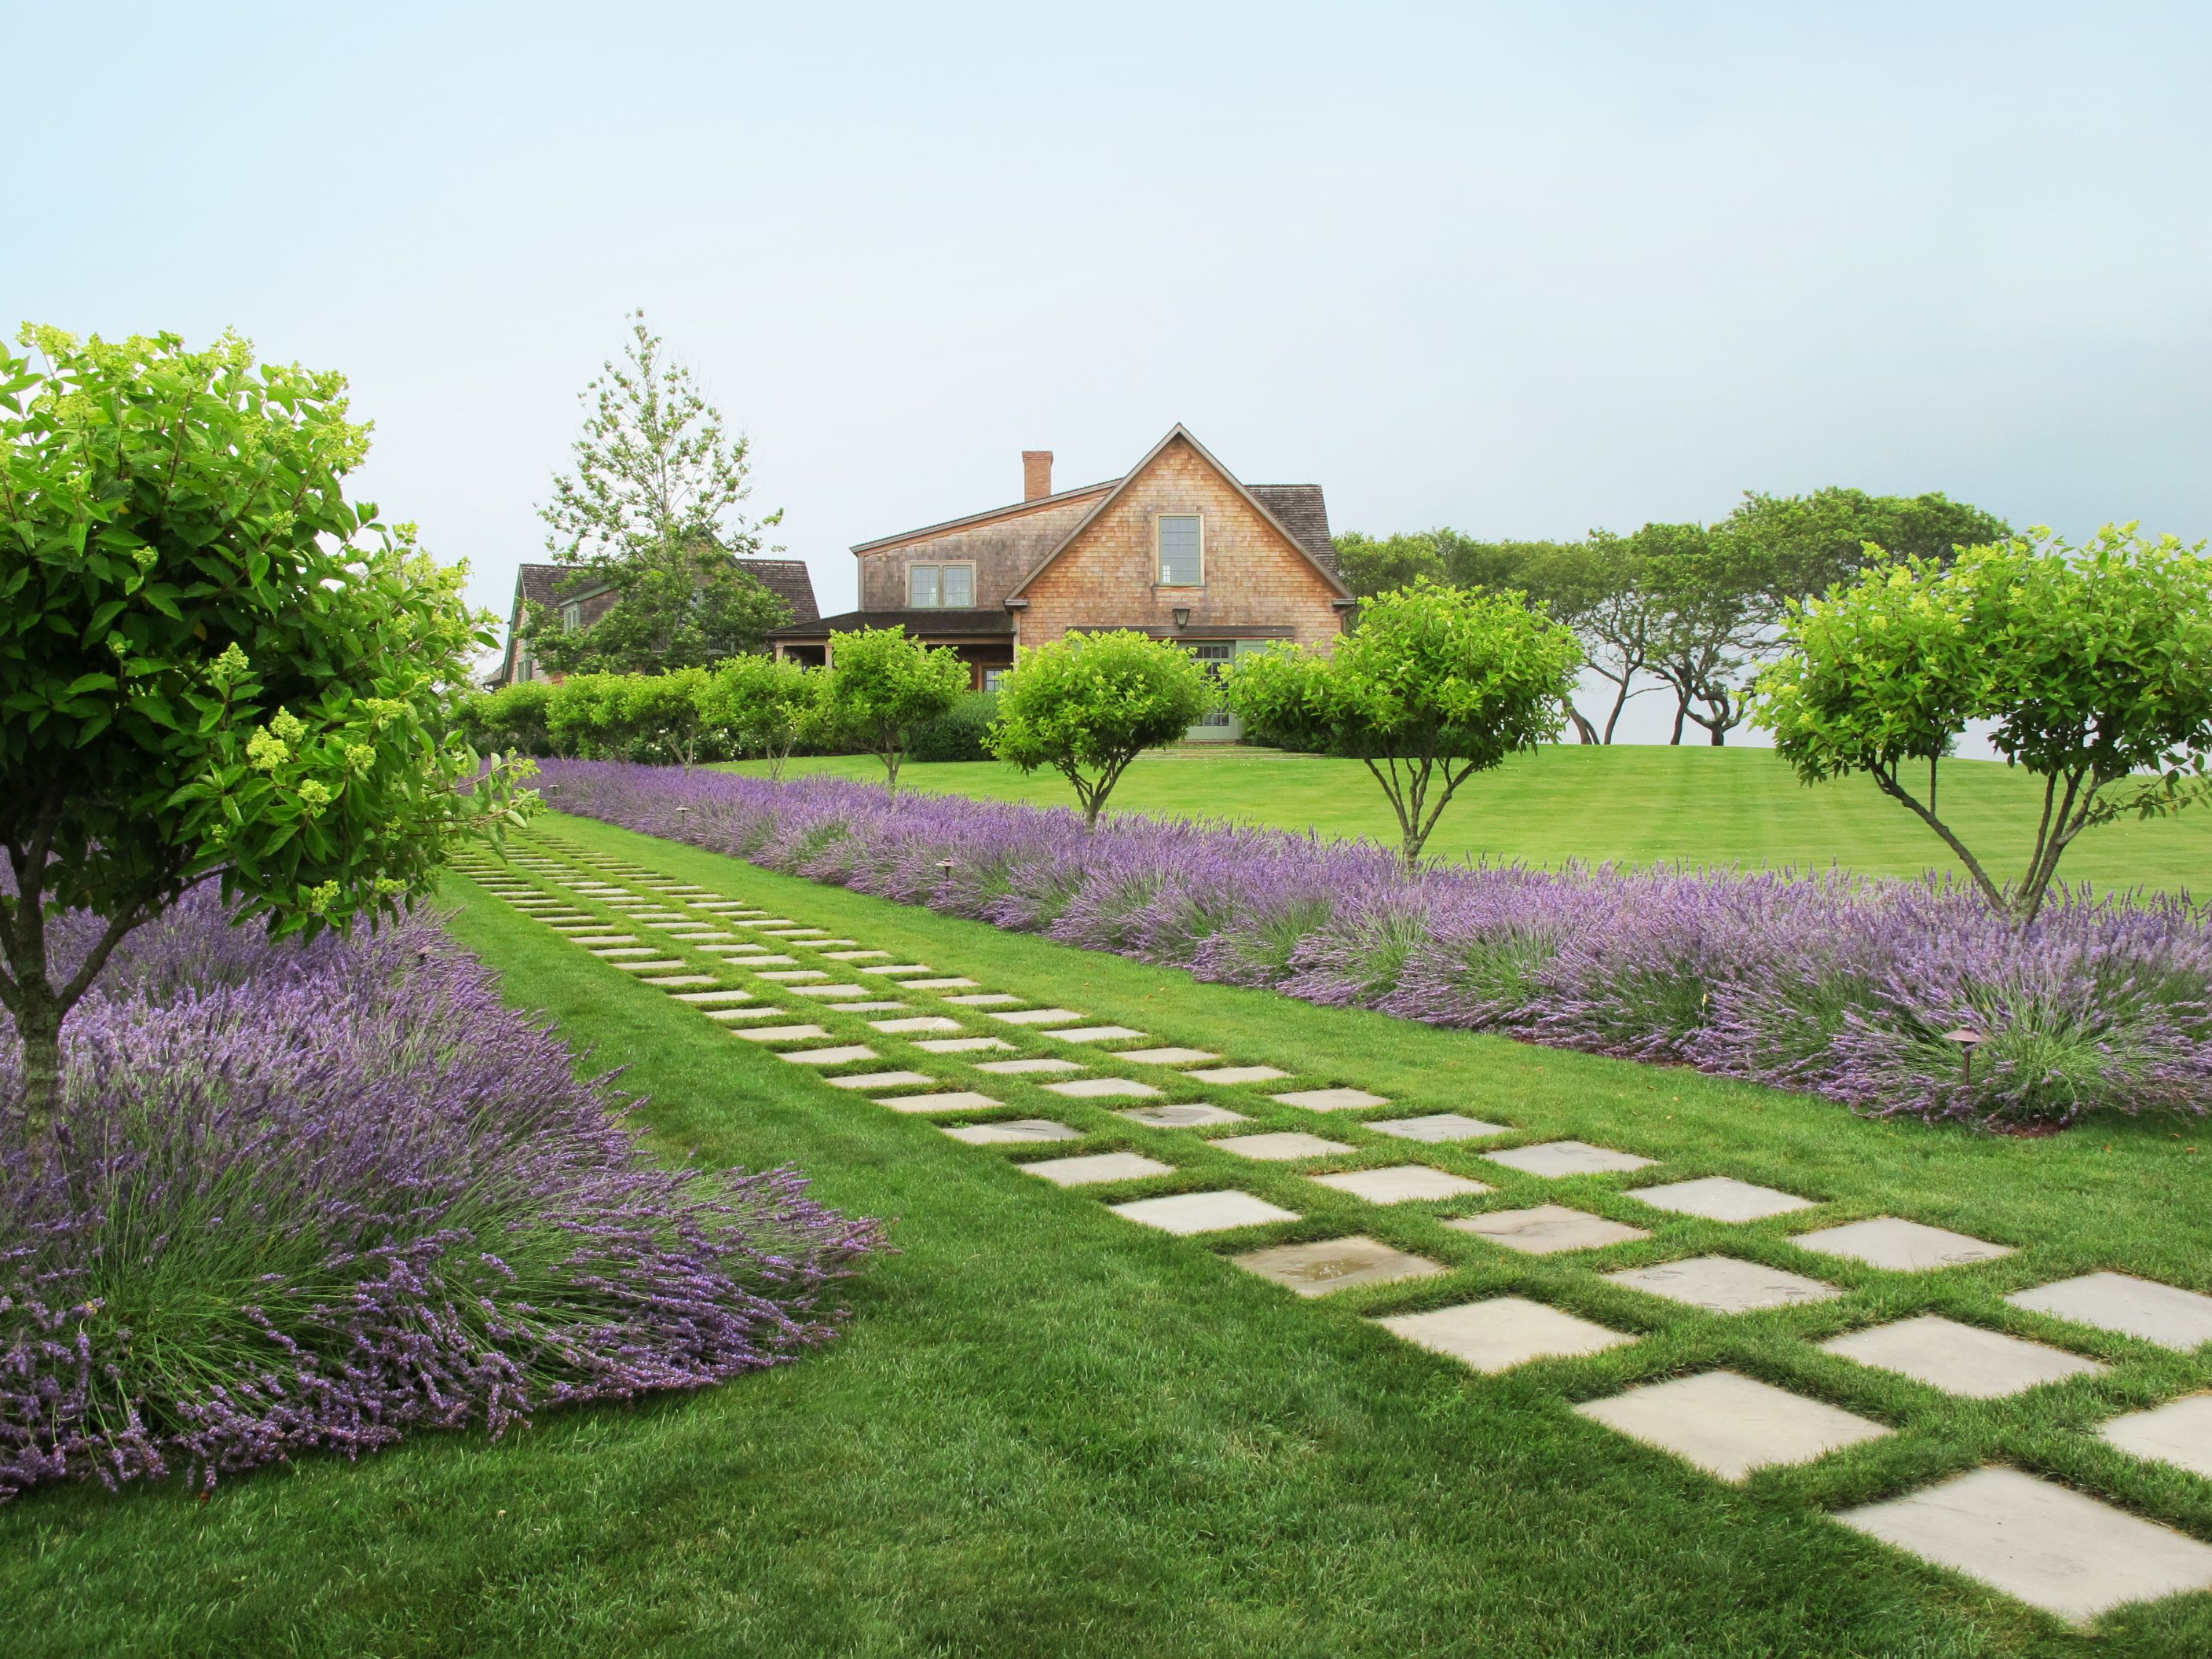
1639	804
1051	1432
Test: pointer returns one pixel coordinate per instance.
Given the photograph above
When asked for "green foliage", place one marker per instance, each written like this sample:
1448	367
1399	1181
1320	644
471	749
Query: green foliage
760	705
1436	684
1088	704
961	732
883	685
676	605
664	712
2093	667
584	717
1805	544
510	720
211	664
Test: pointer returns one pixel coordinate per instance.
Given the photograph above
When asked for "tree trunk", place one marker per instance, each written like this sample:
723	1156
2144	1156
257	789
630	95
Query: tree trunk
39	1023
1681	713
1584	731
1720	737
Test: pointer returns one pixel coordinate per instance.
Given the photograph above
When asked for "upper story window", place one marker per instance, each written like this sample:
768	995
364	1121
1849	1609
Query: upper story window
935	586
572	616
1182	550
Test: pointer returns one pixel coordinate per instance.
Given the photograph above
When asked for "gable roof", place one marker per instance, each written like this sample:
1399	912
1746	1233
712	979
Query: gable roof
788	578
1011	510
1324	565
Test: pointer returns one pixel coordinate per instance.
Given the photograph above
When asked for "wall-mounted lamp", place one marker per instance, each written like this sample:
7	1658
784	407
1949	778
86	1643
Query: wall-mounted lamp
1182	616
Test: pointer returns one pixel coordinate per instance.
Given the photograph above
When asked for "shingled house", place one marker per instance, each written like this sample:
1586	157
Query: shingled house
581	605
1176	548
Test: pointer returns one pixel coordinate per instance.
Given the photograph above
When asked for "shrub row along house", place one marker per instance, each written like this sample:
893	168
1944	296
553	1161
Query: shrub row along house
1176	548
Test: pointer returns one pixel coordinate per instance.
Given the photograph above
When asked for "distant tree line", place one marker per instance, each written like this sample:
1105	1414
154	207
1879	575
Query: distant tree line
1687	608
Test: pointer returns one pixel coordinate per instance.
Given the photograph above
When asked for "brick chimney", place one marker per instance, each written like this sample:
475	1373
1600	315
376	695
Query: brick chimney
1036	474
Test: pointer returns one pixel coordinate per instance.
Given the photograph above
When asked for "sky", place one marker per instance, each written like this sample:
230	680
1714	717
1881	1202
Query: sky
1522	270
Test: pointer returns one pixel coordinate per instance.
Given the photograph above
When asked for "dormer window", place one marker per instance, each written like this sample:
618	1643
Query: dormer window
941	587
1182	539
572	616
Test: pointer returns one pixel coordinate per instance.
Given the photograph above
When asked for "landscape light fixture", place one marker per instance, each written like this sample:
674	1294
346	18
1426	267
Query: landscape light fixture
1966	1040
1182	616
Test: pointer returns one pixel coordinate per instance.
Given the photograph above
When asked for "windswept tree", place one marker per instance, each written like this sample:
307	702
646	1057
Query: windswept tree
1436	684
883	685
652	510
2093	665
212	666
1805	544
1088	704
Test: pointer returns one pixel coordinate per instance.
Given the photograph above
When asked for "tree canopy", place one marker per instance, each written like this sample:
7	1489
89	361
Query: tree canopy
1088	704
883	685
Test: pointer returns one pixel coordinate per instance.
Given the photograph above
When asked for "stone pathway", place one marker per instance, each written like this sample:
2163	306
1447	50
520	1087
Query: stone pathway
908	1036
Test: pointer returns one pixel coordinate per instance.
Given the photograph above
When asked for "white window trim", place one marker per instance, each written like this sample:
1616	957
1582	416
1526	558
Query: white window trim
1158	575
572	616
940	565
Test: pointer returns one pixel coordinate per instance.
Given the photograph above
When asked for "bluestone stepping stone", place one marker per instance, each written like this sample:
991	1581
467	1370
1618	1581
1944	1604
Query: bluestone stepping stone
746	952
750	963
844	1054
1095	1033
1335	1264
985	1000
1192	1115
773	922
1187	1213
1556	1158
1096	1088
661	965
954	984
1240	1074
916	1023
966	1045
1960	1359
816	944
1401	1183
1038	1016
963	1100
789	976
866	1008
1730	1426
854	955
1505	1331
667	980
2120	1302
1547	1230
1721	1198
628	951
897	968
1011	1131
1331	1100
1164	1056
2180	1433
1907	1246
1089	1172
1436	1127
880	1081
1723	1285
782	1034
1281	1147
2047	1545
1017	1067
829	991
733	1016
605	939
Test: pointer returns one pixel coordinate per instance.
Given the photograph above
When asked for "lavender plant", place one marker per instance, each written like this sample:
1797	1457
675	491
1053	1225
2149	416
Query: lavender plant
1843	986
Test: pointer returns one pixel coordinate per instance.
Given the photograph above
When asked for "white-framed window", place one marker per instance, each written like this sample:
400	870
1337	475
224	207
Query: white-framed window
941	587
1182	543
572	616
993	677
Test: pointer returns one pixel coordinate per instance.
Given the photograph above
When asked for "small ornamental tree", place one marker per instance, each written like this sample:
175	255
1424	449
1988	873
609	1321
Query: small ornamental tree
665	710
762	705
1088	704
211	664
883	685
1435	685
2093	667
584	716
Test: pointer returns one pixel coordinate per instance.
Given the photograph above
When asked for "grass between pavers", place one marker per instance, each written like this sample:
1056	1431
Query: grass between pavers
1634	804
1052	1431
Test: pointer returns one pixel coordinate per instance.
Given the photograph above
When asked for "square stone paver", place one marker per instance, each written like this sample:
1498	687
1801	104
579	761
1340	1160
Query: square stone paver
1100	1088
1037	1016
1186	1213
965	1045
1281	1147
2134	1307
880	1081
917	1023
1022	1067
1401	1183
1012	1131
845	1054
1730	1426
1165	1056
1907	1246
1502	1332
1331	1100
1723	1285
1191	1115
959	1100
1720	1198
1095	1033
1097	1167
831	991
1960	1359
875	1006
2179	1434
1436	1127
1335	1264
1547	1230
2048	1545
985	1000
1240	1074
780	1033
1556	1158
949	984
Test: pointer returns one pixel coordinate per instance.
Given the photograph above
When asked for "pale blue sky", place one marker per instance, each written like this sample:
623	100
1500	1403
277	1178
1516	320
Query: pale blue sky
1524	270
